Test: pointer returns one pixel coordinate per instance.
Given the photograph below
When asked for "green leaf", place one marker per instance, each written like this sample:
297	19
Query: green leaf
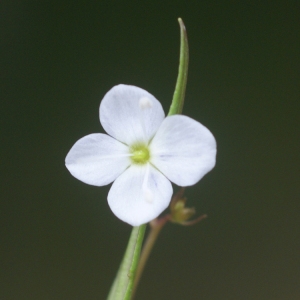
179	93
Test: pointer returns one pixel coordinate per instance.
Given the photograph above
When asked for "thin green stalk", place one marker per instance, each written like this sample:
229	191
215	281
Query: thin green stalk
179	93
175	108
155	228
123	283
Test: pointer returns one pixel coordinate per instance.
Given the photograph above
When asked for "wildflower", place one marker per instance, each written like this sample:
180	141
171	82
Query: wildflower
141	154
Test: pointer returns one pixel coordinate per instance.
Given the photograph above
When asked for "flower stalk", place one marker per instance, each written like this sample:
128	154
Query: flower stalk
179	93
155	227
122	288
123	283
179	214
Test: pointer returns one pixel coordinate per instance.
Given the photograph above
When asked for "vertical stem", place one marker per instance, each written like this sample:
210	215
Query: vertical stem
122	287
123	283
155	228
175	108
179	93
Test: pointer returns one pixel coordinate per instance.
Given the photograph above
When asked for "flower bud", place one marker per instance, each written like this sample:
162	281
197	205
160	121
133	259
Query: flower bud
180	213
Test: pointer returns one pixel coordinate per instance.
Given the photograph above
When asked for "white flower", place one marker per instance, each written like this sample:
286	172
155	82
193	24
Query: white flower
141	154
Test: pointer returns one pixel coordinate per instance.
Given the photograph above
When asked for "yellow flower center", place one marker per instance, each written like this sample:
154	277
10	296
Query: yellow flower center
140	154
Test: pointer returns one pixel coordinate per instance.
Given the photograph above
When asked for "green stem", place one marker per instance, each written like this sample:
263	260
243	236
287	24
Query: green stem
123	283
175	108
122	287
179	93
155	228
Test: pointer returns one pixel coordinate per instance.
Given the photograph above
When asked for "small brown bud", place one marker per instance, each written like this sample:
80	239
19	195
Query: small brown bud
181	214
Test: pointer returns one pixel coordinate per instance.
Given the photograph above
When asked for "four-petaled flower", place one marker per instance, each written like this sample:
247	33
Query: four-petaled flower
141	154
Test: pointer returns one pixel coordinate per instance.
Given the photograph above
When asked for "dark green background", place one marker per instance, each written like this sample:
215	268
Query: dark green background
59	239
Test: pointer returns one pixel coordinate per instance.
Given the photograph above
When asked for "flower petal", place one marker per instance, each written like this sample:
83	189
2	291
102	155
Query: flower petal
130	114
183	150
97	159
139	194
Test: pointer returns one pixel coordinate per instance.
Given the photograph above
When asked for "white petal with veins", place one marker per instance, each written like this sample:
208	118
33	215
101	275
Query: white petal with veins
129	199
130	114
97	159
183	150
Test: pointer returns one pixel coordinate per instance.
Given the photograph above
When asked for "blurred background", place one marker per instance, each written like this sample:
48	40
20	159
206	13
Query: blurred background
59	239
